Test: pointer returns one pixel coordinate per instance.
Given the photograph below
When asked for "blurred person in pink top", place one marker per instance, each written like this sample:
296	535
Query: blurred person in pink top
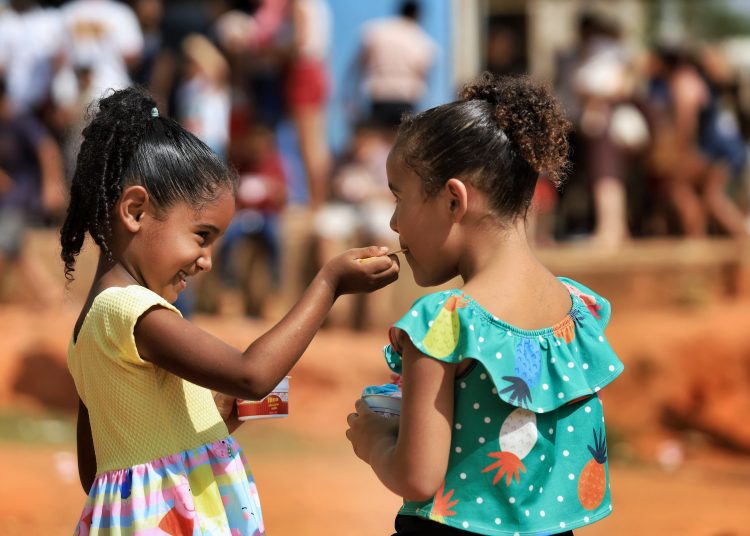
395	58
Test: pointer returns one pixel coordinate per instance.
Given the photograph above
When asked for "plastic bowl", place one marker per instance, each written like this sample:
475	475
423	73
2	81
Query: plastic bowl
388	406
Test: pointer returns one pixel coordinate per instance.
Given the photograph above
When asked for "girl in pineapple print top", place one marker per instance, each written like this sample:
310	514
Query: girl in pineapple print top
501	428
154	451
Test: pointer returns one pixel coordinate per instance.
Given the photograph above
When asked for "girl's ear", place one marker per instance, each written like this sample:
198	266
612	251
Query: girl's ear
131	207
458	199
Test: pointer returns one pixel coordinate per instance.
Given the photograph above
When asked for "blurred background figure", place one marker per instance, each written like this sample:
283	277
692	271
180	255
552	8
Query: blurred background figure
278	50
149	14
699	148
602	84
203	99
249	257
506	52
358	213
31	189
307	90
177	19
70	115
575	193
252	34
31	52
394	60
106	36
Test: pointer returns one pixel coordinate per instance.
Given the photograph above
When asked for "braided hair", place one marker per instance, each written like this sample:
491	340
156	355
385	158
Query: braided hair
127	143
499	136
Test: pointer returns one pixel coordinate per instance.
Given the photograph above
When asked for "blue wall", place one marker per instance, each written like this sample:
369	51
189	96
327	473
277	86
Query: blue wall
348	18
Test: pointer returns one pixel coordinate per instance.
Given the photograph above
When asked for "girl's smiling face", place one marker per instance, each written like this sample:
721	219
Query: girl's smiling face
179	243
424	225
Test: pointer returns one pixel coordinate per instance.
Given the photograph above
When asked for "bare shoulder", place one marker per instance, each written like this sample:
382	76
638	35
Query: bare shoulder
531	301
551	300
165	338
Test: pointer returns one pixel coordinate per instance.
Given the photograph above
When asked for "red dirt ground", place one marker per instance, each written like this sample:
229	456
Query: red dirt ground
312	484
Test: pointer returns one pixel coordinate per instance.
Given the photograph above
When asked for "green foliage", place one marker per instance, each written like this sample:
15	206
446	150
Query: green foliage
52	429
702	19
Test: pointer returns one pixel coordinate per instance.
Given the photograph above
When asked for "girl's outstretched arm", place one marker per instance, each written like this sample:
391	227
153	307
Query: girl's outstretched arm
85	448
174	344
410	457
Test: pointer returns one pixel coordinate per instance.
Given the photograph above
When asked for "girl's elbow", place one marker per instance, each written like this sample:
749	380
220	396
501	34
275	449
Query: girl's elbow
251	389
254	386
419	477
247	382
415	497
419	493
421	488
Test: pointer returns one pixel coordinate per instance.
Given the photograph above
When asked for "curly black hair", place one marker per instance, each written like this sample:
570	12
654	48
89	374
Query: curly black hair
127	143
500	136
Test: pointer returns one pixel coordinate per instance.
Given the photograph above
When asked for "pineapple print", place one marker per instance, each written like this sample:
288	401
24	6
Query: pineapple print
518	435
588	300
528	369
442	338
593	480
442	504
565	330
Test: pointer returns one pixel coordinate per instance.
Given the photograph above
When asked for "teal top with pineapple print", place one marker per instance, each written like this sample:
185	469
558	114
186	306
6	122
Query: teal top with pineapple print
528	448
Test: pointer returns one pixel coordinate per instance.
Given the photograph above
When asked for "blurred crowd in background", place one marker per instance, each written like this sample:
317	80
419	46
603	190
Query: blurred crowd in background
658	145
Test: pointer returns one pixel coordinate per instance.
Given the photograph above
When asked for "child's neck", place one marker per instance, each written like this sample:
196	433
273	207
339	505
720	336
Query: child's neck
493	252
112	273
502	273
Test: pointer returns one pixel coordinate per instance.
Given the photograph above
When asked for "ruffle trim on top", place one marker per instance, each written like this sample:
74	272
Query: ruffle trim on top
539	370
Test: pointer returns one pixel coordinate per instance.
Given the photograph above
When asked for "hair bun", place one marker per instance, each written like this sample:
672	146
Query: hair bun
530	116
132	102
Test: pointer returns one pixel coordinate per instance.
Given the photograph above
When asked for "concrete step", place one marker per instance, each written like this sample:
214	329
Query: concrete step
640	273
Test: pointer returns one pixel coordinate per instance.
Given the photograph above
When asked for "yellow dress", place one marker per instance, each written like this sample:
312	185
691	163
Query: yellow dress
165	461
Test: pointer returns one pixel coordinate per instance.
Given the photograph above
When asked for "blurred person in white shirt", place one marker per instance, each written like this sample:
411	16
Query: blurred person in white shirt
105	35
31	39
203	100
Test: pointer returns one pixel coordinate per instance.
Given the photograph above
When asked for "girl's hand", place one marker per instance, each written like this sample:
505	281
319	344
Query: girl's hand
367	429
347	274
227	406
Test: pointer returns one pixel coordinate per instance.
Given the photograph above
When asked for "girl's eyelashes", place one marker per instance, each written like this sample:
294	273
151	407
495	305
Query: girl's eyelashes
204	236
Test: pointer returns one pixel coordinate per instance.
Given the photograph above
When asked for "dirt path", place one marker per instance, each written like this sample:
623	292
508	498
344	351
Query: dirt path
311	483
326	491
